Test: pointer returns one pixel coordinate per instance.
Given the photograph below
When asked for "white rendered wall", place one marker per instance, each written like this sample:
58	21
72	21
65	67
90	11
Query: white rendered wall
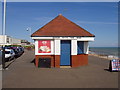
86	47
66	38
57	47
52	47
85	39
15	41
73	47
56	44
2	39
11	40
36	47
42	38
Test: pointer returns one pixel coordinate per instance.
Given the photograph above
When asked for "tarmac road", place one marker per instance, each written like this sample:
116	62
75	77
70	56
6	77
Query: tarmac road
23	74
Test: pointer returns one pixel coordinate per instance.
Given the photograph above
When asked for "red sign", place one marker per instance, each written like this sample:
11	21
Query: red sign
44	46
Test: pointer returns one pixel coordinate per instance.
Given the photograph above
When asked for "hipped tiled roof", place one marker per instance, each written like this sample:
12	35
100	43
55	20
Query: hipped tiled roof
61	26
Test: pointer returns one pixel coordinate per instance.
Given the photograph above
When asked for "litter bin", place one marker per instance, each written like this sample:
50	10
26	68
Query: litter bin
44	63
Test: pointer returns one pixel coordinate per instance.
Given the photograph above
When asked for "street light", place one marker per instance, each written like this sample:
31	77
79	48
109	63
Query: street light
29	29
4	32
4	19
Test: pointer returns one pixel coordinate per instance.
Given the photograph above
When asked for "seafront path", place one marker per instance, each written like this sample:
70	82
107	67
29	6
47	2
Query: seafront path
22	73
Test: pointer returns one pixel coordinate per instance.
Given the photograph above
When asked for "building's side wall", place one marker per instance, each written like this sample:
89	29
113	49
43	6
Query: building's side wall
65	38
15	41
2	39
54	55
79	60
57	47
57	53
73	47
76	59
57	61
7	40
86	47
44	56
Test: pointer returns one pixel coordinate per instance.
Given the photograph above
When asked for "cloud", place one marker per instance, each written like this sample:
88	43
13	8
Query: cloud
43	18
41	21
47	19
89	22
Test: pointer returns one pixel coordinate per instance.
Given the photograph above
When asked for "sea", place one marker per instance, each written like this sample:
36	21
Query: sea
108	51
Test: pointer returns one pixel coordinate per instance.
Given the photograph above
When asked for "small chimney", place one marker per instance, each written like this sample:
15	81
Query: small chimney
60	14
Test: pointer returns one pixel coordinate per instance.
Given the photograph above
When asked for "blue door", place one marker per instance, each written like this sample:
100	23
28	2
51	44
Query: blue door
65	52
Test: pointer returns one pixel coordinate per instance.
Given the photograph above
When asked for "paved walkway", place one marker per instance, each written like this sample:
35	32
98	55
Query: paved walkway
23	74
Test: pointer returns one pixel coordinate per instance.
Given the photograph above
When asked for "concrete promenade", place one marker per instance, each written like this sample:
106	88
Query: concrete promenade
22	73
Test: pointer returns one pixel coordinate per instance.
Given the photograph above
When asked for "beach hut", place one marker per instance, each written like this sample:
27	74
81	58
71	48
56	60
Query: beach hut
61	43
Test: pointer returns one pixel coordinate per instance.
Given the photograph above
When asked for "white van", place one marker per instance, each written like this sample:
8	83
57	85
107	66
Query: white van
9	54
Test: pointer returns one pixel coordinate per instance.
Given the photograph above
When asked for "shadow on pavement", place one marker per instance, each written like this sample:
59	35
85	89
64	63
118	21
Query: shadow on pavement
107	70
33	61
43	63
10	63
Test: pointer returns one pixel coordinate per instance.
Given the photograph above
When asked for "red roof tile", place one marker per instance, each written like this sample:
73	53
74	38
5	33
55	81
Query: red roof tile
61	26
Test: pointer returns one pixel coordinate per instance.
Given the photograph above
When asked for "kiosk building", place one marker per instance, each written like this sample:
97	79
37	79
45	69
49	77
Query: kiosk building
62	43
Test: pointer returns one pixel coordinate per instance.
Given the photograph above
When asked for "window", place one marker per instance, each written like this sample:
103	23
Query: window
7	52
80	47
7	40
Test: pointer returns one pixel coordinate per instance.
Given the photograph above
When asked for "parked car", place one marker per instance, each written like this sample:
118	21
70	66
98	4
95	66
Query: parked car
21	50
9	54
16	51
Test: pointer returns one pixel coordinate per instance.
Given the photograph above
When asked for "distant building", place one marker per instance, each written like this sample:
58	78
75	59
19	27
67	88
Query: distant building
7	40
25	42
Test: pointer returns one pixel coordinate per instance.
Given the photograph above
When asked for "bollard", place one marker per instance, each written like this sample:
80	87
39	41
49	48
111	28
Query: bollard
110	66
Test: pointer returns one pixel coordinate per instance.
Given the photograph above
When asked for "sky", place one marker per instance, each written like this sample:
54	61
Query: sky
99	18
61	0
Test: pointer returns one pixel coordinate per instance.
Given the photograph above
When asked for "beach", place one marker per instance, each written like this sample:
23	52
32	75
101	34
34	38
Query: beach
108	53
106	57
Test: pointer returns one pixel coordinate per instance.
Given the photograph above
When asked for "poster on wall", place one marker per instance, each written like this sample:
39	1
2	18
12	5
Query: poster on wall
44	46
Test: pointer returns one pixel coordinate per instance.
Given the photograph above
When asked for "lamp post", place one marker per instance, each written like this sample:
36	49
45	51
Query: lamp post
4	19
4	32
29	29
